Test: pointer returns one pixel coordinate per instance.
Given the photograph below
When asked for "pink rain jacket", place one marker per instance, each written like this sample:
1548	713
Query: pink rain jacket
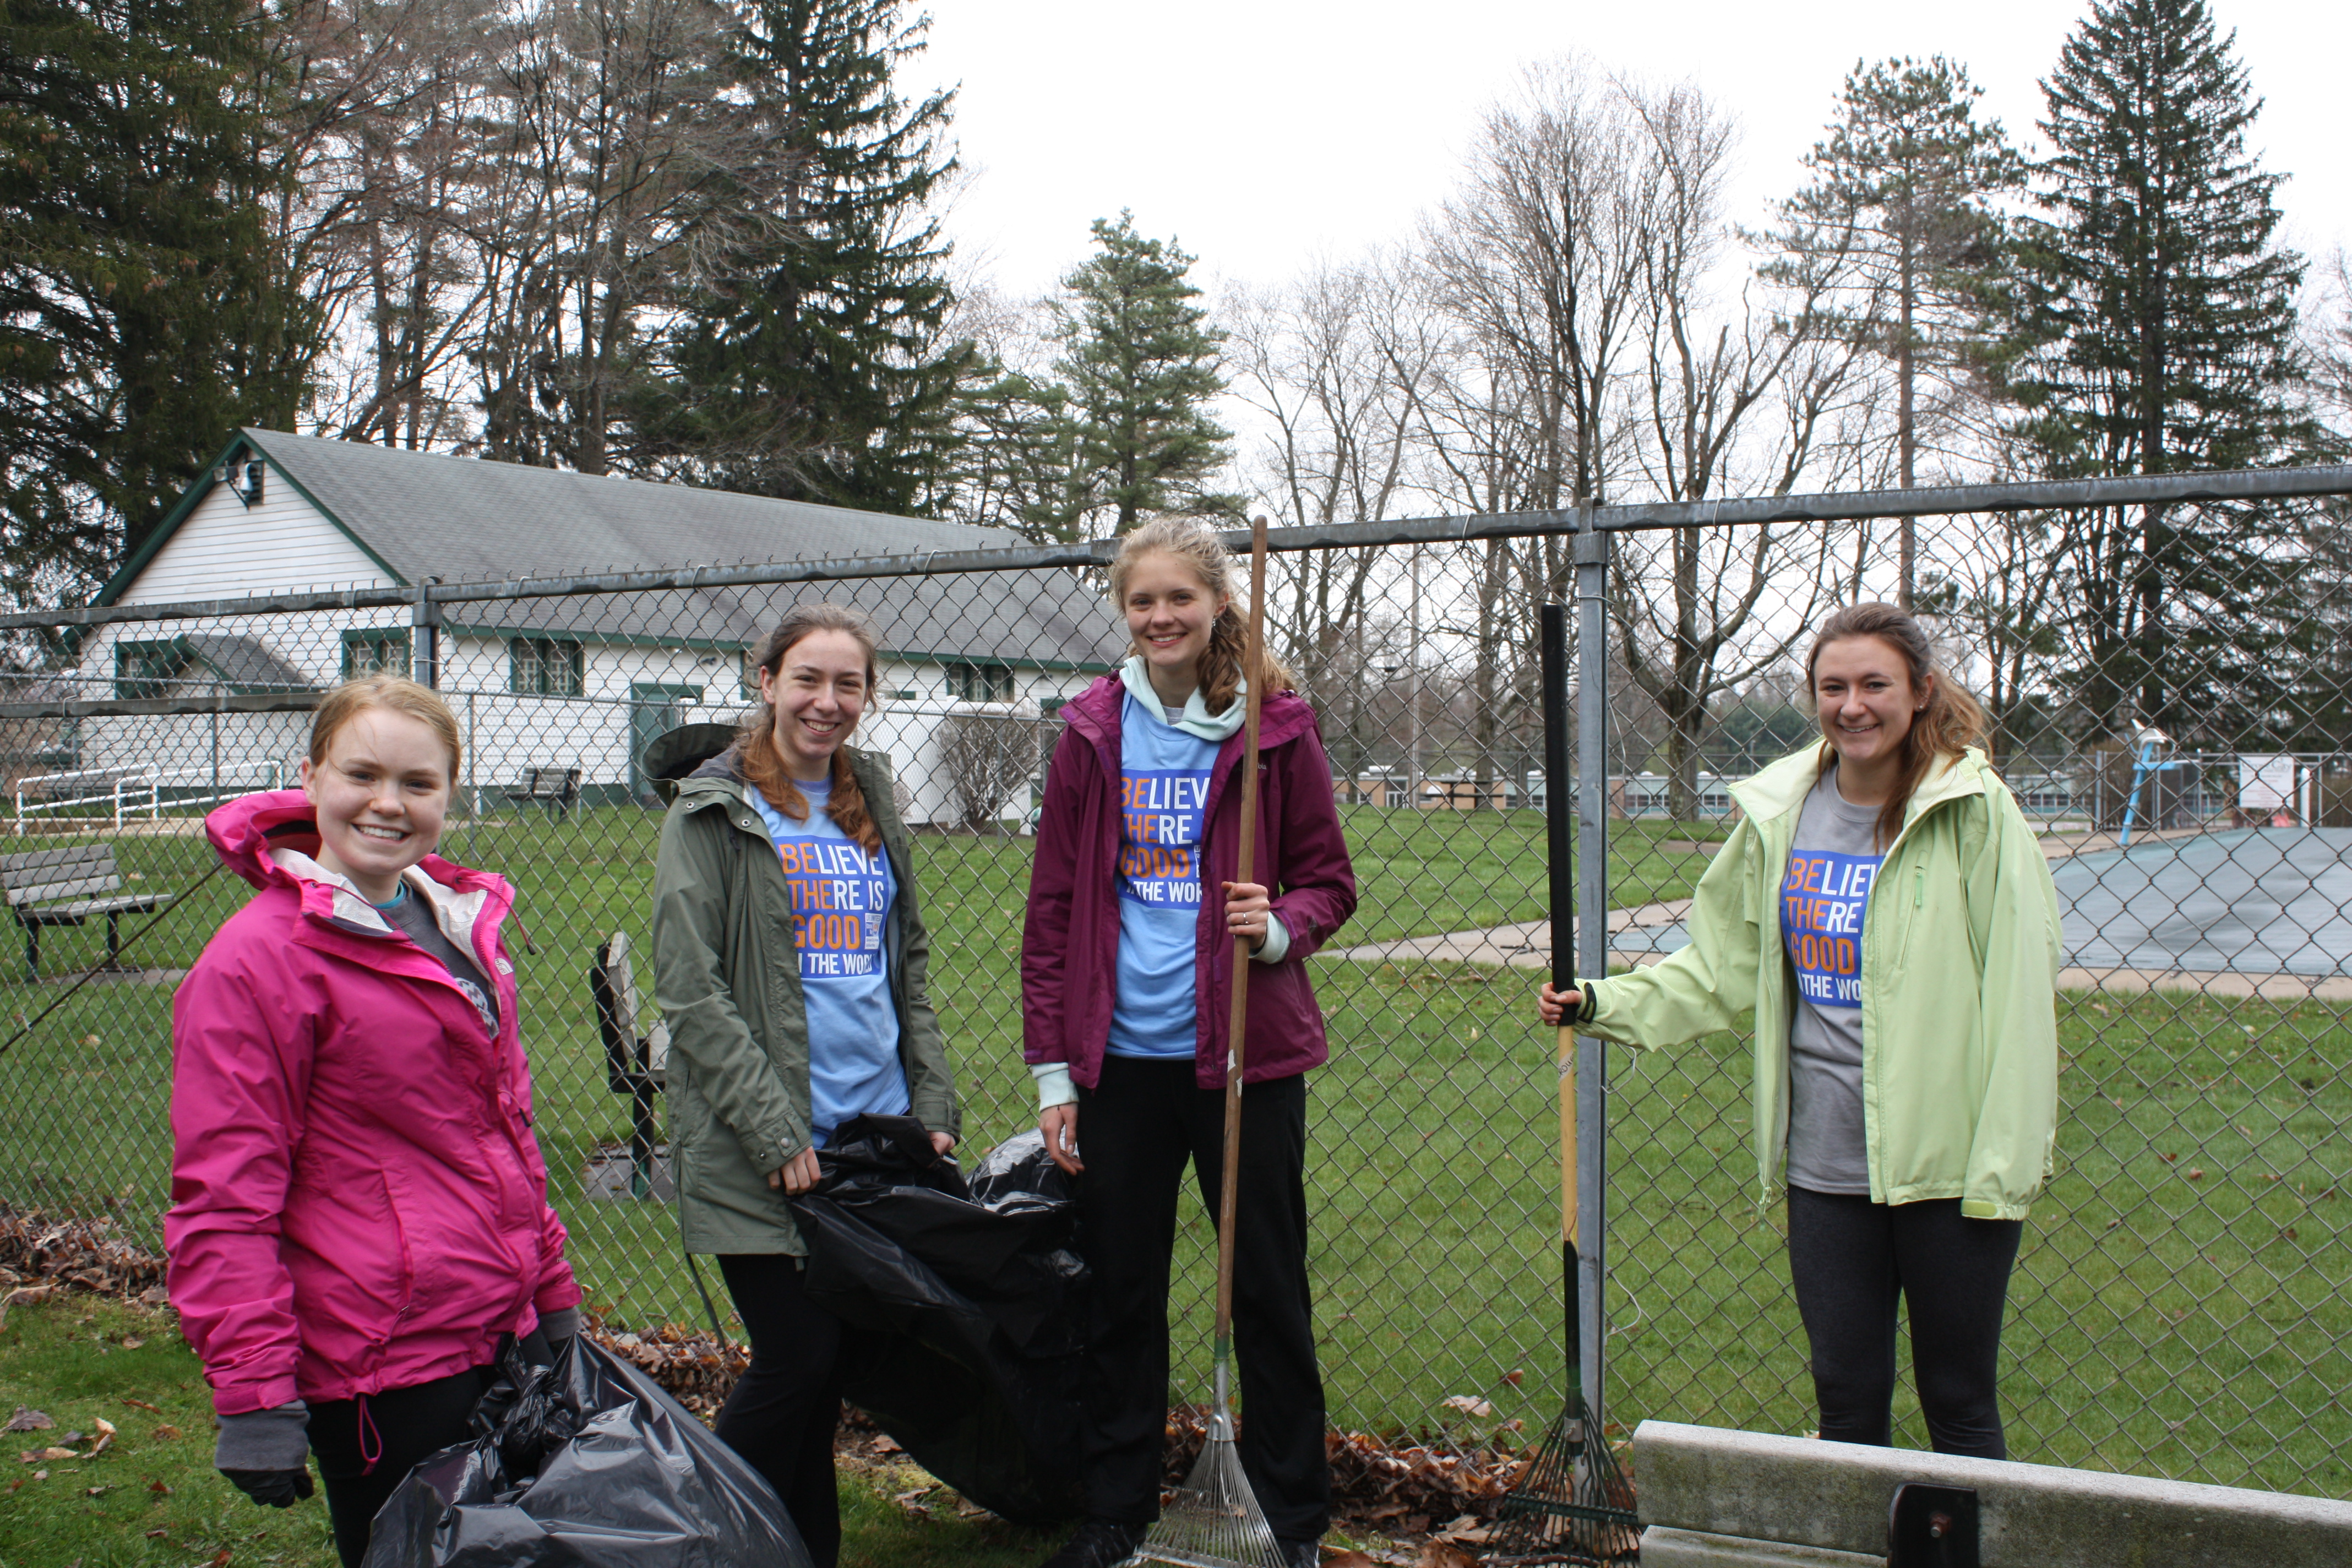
358	1202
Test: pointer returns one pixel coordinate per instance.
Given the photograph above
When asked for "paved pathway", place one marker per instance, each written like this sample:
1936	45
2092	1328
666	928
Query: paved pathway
2249	912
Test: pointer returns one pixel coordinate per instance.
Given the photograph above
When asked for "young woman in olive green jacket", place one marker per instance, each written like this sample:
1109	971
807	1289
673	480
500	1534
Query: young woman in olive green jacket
1885	909
788	955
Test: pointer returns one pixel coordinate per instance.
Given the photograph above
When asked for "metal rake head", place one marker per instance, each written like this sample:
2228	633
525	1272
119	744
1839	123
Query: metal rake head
1573	1504
1215	1521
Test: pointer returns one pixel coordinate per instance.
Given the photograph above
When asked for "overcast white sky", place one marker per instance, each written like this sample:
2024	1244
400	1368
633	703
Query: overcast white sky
1262	132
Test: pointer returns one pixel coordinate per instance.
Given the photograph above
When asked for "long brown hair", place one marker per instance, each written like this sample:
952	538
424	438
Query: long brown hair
762	765
1951	721
1197	544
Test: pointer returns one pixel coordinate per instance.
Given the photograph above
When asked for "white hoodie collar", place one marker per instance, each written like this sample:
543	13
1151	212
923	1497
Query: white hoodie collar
454	912
1196	719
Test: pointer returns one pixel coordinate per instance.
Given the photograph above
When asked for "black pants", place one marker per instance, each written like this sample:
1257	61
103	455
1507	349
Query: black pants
366	1446
1849	1259
1137	1130
786	1407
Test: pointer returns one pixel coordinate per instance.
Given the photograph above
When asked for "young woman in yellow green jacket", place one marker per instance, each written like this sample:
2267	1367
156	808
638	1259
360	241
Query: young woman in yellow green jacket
1884	908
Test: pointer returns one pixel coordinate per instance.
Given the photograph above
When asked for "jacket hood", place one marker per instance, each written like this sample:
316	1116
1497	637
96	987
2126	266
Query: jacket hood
687	751
1781	788
247	832
1282	715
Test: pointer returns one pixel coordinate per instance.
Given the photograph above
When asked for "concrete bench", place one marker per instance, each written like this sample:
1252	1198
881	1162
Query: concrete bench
55	888
1712	1498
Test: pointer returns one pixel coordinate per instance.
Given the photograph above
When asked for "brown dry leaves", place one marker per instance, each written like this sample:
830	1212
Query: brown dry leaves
39	1256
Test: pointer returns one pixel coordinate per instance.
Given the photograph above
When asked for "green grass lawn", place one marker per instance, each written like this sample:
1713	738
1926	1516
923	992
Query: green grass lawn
2202	1334
153	1499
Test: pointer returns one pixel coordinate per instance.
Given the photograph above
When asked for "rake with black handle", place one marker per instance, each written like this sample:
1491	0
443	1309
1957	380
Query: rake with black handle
1573	1504
1215	1521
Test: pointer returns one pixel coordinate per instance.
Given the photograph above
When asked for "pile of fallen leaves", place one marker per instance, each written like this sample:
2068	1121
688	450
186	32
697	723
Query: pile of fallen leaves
688	1364
40	1255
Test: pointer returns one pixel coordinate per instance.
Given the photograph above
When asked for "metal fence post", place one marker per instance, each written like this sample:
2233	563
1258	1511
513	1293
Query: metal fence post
424	657
1593	941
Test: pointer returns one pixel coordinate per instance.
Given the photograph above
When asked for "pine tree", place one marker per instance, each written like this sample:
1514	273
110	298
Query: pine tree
142	312
828	377
1900	224
2156	333
1138	365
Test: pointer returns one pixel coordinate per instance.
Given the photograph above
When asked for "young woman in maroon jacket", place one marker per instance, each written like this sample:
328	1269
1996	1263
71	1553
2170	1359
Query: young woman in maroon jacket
1125	985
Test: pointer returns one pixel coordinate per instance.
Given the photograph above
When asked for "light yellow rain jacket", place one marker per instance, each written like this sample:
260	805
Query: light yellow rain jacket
1959	960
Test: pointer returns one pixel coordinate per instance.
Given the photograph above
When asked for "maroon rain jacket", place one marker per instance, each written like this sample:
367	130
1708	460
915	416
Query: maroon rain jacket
1069	944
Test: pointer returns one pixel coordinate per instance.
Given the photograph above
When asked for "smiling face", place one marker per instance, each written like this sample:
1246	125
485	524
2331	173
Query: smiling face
1170	610
1862	685
381	795
818	689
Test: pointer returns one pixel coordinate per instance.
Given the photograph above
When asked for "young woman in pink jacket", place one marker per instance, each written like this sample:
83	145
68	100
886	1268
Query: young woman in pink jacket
358	1208
1126	981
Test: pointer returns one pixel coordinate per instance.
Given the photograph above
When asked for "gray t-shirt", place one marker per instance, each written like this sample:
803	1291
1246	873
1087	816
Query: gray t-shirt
1823	895
412	912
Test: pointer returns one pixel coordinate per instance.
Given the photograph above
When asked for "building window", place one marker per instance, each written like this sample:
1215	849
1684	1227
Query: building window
545	666
143	670
383	652
980	683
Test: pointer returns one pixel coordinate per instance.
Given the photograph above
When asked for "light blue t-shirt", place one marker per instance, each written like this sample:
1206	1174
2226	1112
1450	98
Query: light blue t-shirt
1163	790
841	910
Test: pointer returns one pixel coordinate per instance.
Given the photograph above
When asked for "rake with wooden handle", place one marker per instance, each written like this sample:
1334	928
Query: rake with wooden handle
1215	1521
1573	1504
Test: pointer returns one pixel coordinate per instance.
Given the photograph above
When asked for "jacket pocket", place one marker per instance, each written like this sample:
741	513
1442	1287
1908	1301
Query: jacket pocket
353	1261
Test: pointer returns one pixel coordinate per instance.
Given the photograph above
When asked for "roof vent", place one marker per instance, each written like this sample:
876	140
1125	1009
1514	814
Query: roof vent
246	485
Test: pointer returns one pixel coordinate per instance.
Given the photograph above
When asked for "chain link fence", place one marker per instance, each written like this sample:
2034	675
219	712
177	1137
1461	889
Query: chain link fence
2169	689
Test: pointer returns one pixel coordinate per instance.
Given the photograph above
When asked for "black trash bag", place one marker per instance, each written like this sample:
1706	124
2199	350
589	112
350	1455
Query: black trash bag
584	1464
963	1308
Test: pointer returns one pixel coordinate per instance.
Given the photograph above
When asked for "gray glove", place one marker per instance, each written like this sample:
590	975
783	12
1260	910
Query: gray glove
559	1325
265	1453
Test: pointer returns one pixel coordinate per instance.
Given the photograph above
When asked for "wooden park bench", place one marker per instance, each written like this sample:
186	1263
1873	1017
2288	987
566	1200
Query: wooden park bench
557	785
65	888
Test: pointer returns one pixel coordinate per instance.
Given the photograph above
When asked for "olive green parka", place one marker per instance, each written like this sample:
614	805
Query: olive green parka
727	978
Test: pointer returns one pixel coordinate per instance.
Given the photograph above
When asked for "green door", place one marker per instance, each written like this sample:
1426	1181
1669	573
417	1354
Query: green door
656	707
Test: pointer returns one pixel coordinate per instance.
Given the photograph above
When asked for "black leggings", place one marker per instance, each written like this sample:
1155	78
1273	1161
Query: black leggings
1137	1129
366	1446
787	1405
1849	1259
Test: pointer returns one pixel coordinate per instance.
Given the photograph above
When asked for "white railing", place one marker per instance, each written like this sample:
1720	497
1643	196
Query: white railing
127	792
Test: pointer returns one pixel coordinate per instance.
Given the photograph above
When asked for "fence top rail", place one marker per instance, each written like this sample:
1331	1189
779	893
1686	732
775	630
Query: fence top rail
2033	495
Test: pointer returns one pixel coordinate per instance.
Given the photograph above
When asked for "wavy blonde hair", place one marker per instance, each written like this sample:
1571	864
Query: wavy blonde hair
1198	545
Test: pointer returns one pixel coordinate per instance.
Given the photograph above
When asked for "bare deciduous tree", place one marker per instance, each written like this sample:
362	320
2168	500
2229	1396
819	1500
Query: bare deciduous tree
1332	364
1732	397
989	759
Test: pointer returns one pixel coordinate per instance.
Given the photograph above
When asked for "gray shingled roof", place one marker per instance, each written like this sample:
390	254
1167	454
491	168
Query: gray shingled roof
244	663
427	514
467	519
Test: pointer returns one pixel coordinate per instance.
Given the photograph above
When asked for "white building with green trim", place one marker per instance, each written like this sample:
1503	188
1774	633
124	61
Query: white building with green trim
552	682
